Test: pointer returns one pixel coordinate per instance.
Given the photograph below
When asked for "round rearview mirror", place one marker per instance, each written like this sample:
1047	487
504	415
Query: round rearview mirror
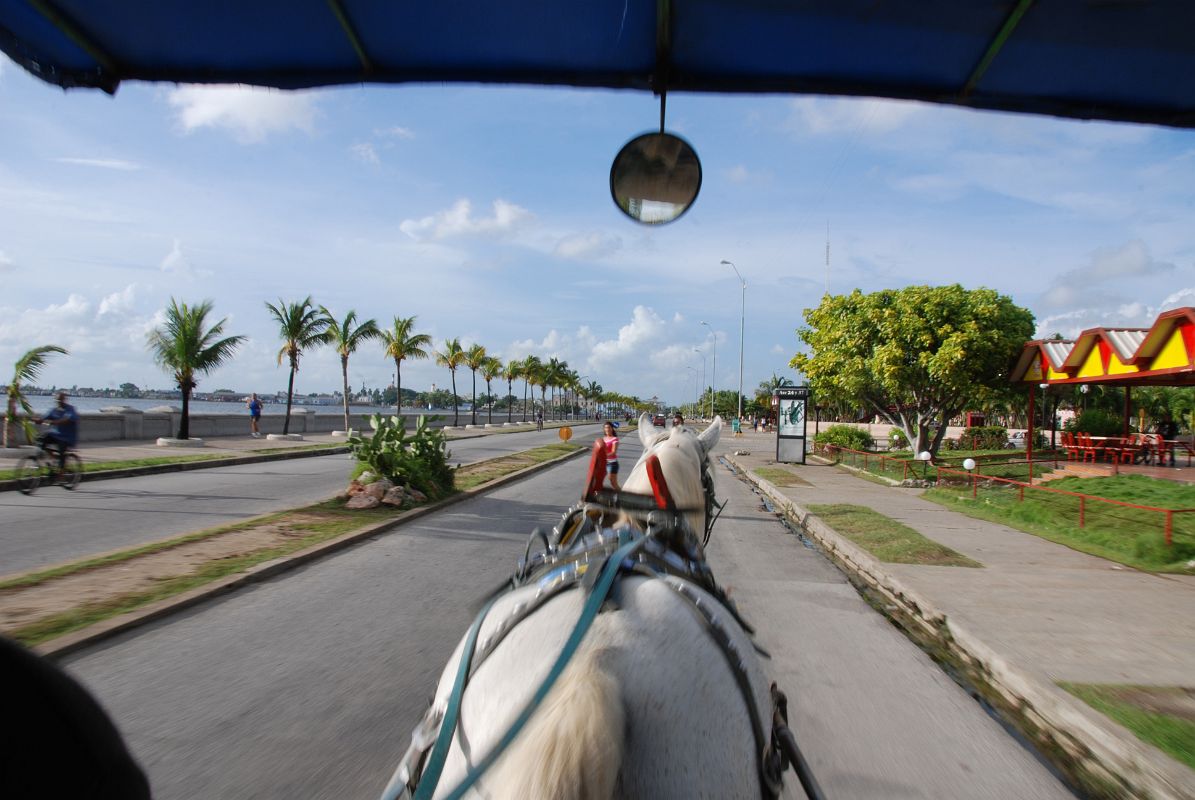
655	178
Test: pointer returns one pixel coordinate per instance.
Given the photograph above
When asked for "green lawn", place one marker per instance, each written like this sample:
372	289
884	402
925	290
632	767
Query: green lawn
778	476
1161	716
900	464
887	539
1129	536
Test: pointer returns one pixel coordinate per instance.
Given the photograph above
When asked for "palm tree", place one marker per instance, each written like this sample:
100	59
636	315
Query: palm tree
490	368
541	379
401	343
345	336
185	346
452	356
529	372
475	356
26	370
554	376
592	392
512	372
301	326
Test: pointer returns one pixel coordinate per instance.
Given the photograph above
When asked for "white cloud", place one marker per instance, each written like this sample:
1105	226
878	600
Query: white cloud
118	303
459	221
823	116
395	132
104	163
1101	282
6	263
364	151
250	114
1136	314
177	263
583	246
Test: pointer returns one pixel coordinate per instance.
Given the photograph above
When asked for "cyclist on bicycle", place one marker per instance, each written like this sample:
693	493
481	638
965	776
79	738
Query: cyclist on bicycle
64	430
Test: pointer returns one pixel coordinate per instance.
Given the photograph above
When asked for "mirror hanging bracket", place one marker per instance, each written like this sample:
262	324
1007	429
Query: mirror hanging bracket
663	54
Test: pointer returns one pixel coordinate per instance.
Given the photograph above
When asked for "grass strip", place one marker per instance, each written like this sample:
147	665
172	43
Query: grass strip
887	539
778	476
1172	734
471	475
41	576
91	613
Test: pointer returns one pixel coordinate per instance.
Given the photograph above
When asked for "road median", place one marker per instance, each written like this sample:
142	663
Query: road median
64	608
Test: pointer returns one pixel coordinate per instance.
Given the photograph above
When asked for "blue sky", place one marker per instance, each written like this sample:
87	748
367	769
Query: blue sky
486	212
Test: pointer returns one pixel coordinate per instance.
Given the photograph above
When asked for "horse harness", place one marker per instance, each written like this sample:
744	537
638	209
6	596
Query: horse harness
590	550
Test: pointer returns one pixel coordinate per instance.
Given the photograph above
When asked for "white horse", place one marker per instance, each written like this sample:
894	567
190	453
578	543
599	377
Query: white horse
648	706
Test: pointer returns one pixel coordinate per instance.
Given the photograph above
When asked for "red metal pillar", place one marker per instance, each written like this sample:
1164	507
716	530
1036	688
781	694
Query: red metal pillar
1128	395
1029	433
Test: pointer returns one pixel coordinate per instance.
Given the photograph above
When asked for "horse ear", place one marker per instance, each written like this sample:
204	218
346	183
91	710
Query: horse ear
646	432
709	436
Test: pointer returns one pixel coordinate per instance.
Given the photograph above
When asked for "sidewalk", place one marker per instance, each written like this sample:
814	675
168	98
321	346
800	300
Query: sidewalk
1036	614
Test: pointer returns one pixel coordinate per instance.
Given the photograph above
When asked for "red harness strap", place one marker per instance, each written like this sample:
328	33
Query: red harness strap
659	486
597	470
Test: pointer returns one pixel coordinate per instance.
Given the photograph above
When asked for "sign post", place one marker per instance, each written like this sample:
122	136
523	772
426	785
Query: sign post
791	403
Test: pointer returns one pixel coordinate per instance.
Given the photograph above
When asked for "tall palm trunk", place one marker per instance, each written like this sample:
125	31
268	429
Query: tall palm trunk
510	403
290	396
526	386
184	424
543	401
473	407
398	388
456	415
344	371
490	395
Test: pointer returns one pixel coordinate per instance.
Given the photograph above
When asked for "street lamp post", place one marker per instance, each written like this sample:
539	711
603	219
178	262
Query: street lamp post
713	369
699	350
694	369
742	326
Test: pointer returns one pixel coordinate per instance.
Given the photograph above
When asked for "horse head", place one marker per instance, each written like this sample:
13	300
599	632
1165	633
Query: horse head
673	468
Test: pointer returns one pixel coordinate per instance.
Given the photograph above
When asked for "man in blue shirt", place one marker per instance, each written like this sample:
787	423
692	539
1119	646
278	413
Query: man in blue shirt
64	429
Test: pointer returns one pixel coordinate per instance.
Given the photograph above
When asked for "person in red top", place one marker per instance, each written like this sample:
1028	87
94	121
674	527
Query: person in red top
610	440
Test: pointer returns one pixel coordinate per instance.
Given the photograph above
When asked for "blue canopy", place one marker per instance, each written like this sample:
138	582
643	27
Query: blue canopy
1127	60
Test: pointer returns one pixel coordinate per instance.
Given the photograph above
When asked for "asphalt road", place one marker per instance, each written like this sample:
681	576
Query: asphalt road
53	525
309	685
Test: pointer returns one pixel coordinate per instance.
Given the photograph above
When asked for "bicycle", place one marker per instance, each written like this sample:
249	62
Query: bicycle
42	467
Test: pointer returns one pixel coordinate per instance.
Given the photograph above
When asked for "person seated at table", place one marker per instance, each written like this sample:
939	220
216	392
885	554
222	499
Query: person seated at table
1167	431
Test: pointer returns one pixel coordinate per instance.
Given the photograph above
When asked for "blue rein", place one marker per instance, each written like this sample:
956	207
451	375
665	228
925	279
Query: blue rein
435	766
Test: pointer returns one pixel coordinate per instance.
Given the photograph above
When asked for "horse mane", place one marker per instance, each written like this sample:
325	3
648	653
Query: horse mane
683	455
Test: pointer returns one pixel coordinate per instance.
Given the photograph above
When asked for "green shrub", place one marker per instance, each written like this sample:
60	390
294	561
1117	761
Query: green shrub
847	436
988	437
1096	422
418	459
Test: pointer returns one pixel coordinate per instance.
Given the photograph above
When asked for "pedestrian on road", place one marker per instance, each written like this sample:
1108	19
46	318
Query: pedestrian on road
539	420
254	415
610	440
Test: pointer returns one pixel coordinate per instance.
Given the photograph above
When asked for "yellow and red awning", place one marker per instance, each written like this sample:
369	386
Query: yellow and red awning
1161	355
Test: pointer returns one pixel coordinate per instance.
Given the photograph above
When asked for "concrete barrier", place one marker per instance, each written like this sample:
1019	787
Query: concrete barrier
117	423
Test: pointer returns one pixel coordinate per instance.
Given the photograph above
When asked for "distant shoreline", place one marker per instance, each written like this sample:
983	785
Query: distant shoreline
94	404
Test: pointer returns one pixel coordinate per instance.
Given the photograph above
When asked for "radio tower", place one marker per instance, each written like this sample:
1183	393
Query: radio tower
827	258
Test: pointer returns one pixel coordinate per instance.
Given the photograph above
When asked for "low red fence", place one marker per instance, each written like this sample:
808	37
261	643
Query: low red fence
1087	505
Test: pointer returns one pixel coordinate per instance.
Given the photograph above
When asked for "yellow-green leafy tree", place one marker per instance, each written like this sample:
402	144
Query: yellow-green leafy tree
914	357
